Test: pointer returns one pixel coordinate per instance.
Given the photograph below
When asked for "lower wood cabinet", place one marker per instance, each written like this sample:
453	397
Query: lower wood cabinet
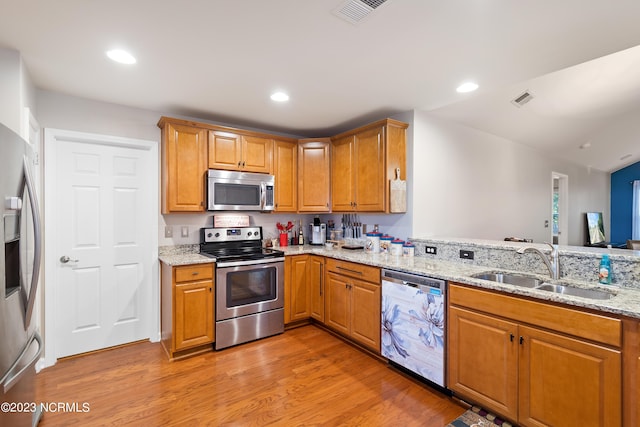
566	372
187	304
304	288
352	301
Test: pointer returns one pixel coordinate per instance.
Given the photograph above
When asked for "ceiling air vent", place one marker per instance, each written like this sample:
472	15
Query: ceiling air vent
355	11
522	99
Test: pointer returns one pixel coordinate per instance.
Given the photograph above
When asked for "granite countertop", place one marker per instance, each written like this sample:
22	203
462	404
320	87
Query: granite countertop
626	301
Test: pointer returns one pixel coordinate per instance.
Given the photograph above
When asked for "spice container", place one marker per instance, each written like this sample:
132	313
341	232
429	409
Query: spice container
372	244
408	249
396	247
385	244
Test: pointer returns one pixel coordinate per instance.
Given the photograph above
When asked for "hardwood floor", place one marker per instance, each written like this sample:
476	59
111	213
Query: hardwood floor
305	376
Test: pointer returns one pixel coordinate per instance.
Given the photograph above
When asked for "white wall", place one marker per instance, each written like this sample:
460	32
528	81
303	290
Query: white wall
16	89
472	184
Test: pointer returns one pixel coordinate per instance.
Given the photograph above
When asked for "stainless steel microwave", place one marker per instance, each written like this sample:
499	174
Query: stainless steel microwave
240	191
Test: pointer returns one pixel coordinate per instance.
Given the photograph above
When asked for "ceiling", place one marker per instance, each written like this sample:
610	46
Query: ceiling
221	59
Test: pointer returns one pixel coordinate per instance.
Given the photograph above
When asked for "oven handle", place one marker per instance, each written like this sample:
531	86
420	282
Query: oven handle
250	262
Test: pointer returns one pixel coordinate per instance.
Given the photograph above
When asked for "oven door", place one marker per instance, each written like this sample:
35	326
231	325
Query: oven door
249	287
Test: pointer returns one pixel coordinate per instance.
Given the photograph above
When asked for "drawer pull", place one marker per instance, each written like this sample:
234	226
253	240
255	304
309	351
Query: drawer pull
349	270
195	273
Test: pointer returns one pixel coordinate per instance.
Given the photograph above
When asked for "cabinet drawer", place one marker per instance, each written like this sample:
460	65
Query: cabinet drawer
352	269
190	273
582	324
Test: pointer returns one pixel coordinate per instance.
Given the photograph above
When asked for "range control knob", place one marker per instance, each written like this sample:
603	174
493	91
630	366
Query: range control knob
217	234
209	234
249	234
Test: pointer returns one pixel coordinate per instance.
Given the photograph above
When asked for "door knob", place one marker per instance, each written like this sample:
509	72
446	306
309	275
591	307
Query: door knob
65	259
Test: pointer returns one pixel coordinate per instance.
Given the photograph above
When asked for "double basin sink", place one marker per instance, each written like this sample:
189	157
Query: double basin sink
534	283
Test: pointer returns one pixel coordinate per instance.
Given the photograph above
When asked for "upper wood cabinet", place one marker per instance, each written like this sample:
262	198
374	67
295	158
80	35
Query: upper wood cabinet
362	163
285	169
314	175
184	165
240	152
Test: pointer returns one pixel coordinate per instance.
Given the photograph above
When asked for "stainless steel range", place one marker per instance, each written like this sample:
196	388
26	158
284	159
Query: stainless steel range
249	284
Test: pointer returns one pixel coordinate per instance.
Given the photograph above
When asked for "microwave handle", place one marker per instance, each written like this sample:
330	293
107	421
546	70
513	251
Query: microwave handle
263	195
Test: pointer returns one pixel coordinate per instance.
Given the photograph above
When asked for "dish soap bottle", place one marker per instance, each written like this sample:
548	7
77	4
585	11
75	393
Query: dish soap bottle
604	272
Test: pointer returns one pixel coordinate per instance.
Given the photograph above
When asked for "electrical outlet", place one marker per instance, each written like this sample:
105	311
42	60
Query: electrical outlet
466	254
184	231
168	231
431	250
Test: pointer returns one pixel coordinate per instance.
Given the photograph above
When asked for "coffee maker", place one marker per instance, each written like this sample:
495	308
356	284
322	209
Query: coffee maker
318	235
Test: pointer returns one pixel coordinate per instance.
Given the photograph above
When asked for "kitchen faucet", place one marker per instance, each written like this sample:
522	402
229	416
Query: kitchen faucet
551	261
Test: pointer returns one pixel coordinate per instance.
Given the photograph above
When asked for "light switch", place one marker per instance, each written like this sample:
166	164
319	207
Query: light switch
184	232
168	231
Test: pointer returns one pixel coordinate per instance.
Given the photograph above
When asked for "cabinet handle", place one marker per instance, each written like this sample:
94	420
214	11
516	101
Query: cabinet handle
511	337
243	163
349	270
239	164
210	289
521	340
195	273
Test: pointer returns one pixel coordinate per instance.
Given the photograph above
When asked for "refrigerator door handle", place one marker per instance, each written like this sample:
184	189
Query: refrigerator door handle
37	242
11	379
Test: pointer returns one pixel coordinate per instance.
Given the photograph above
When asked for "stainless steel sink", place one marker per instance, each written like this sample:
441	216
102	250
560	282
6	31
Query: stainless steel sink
576	292
509	278
533	283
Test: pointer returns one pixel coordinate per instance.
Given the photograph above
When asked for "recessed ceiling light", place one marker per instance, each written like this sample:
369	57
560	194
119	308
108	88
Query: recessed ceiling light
467	87
279	97
121	56
585	145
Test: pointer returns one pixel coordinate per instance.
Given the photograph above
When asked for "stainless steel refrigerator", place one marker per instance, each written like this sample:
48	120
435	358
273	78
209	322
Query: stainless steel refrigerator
20	344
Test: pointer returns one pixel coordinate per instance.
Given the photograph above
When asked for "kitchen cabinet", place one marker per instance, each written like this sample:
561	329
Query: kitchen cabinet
187	301
352	301
304	288
285	170
184	165
362	163
314	176
535	363
316	286
240	152
297	292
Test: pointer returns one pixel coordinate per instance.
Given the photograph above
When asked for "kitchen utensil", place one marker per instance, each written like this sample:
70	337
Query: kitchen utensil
398	194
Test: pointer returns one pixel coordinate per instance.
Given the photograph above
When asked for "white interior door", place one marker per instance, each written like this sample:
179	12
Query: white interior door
104	253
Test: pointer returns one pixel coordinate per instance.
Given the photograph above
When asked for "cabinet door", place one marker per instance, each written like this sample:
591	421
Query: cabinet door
184	149
257	153
370	184
225	150
315	269
314	176
337	303
568	382
299	290
343	194
286	173
483	360
193	314
365	313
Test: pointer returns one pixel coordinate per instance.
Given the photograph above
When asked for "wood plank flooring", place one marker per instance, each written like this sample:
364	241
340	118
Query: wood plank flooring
304	377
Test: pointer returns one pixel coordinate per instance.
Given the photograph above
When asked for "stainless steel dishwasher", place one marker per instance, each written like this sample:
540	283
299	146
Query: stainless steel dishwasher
413	323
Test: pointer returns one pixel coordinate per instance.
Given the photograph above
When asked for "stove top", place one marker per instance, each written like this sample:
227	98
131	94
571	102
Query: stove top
235	244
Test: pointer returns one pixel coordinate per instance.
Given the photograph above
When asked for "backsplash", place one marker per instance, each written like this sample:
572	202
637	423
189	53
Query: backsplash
577	263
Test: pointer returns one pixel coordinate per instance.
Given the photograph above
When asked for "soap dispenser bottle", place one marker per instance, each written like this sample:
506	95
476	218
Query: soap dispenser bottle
604	272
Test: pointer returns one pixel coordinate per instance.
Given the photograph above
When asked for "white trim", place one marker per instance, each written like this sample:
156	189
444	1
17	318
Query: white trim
51	136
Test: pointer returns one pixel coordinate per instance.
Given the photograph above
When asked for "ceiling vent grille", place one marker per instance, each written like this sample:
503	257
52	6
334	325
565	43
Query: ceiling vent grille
355	11
522	99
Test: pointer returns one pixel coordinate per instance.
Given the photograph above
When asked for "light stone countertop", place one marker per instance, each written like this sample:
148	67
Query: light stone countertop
626	302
